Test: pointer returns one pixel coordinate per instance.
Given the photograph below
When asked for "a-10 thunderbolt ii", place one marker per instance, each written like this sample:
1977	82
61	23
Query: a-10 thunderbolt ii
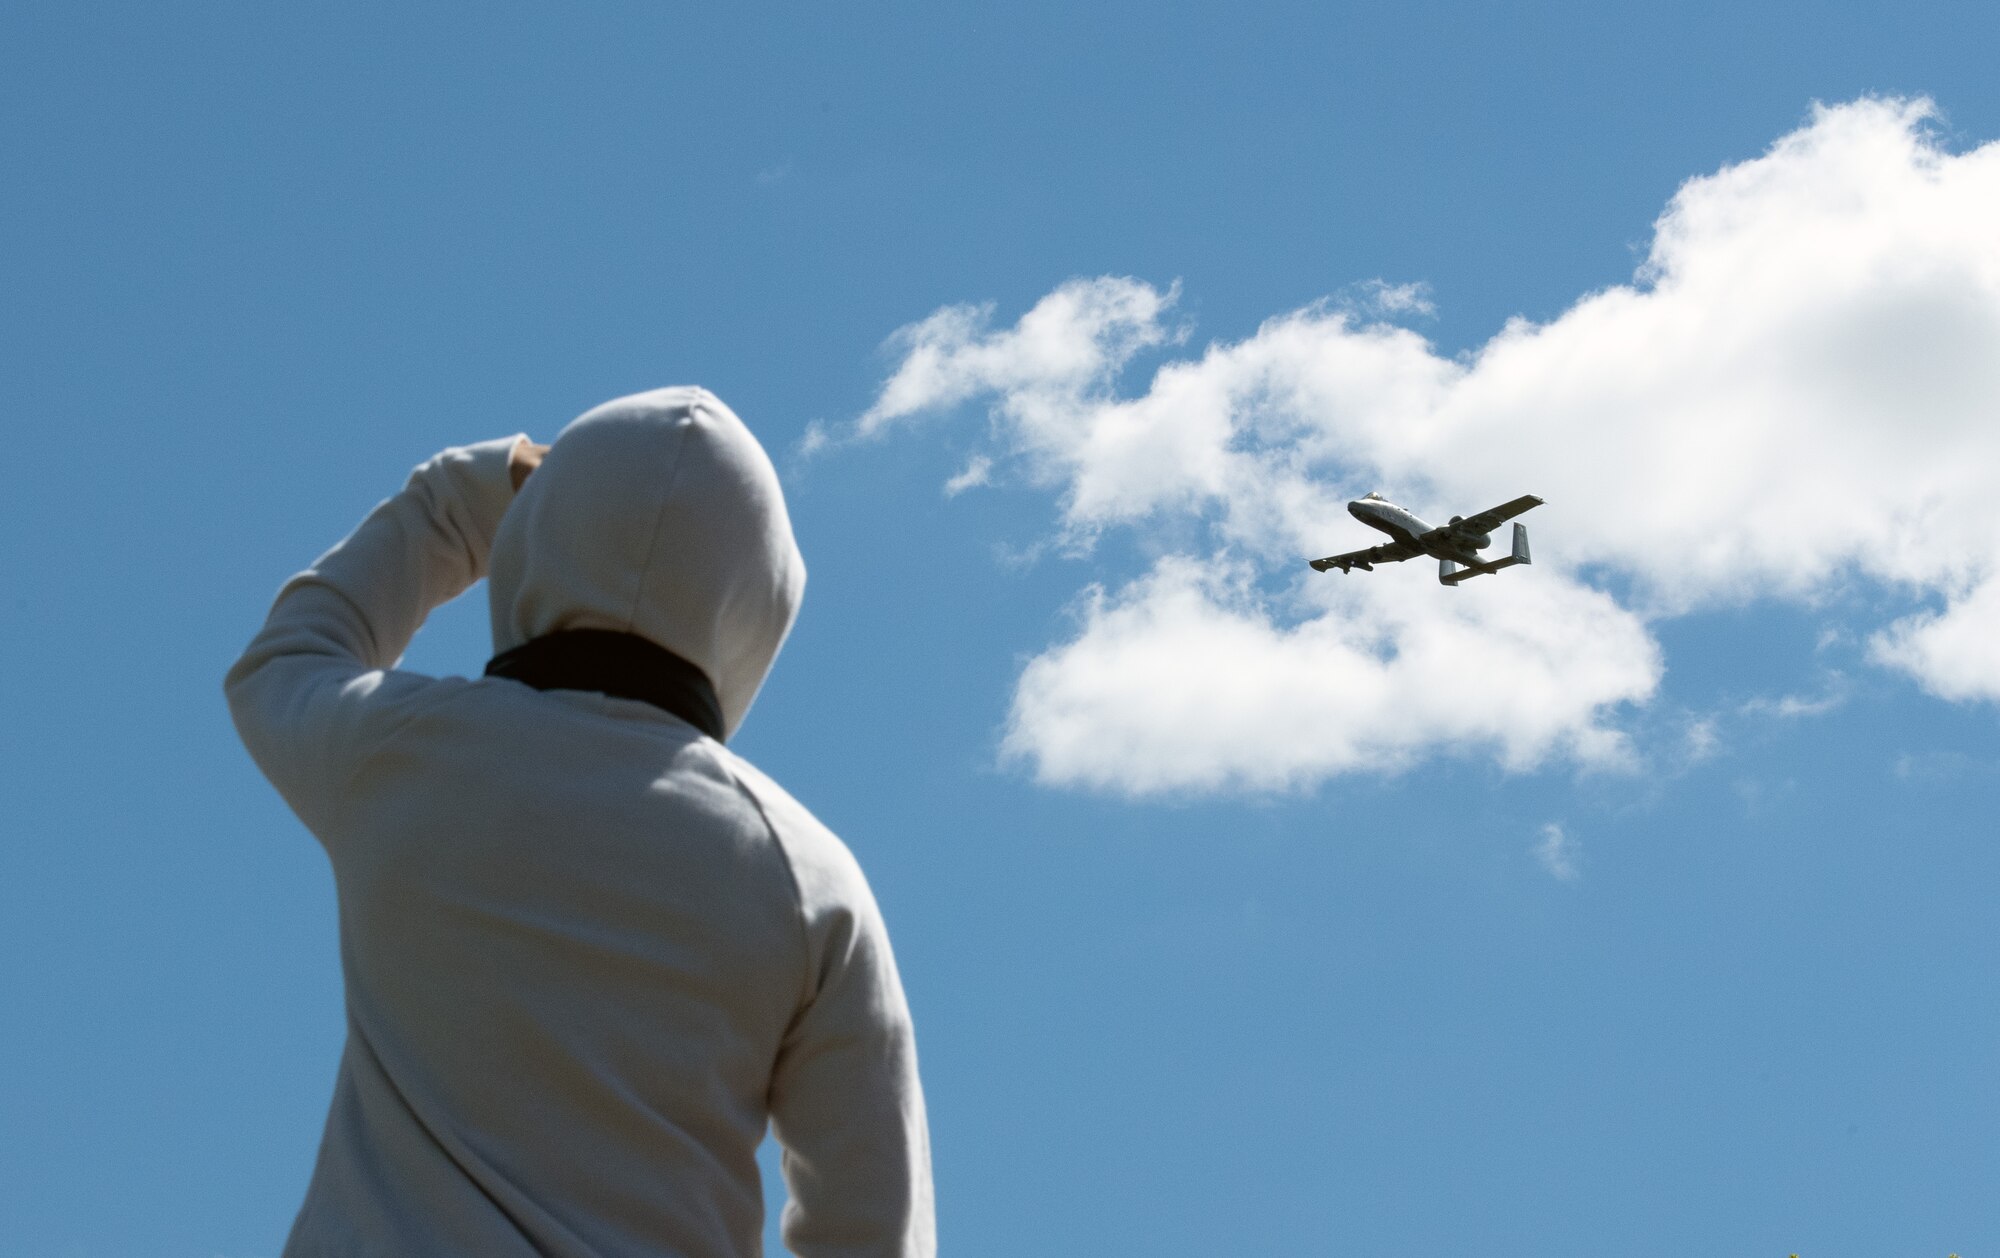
1455	546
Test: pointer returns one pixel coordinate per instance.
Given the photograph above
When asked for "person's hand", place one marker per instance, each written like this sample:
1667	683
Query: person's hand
527	456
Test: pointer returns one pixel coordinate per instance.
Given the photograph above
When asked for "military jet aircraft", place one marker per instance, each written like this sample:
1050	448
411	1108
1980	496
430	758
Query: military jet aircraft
1455	546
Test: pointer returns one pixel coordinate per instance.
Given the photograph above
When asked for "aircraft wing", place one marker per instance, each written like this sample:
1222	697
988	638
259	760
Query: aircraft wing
1394	552
1487	521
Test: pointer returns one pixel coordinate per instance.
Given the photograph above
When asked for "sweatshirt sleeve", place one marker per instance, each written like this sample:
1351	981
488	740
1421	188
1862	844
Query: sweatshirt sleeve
314	688
847	1107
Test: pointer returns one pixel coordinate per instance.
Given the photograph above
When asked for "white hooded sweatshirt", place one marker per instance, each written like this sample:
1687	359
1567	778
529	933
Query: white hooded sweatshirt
588	951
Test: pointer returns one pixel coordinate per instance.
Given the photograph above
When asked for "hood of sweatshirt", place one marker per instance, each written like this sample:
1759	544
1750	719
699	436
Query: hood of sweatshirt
659	515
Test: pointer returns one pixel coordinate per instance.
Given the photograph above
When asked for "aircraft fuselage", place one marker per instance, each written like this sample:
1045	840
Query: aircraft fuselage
1412	530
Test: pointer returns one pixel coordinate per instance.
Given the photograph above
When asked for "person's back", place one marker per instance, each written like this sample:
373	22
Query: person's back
587	949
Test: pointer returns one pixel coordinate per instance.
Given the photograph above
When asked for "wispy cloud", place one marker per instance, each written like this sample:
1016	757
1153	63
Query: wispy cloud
1701	741
976	473
1381	299
1558	853
1934	767
1799	386
1792	707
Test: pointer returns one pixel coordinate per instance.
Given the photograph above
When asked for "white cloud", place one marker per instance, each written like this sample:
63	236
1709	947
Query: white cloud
1954	653
1700	741
1401	298
1189	680
1558	853
1791	707
1800	386
1936	767
977	472
1064	350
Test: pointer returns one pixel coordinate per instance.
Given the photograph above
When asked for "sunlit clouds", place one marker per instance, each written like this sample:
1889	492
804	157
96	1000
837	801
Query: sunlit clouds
1800	387
1186	679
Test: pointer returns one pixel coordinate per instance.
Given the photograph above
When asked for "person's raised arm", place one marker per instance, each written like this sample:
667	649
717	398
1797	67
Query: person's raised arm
305	691
846	1104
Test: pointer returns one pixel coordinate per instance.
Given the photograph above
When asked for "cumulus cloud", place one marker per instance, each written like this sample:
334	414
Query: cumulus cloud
1799	387
1955	653
1067	348
1187	679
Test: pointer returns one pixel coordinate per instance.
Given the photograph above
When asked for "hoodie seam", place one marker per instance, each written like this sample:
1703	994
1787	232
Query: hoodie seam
659	521
808	980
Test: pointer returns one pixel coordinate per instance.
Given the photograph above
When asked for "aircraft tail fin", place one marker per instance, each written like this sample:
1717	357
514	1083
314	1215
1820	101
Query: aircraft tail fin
1450	573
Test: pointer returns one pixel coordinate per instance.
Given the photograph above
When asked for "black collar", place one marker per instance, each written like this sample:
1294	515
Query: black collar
622	665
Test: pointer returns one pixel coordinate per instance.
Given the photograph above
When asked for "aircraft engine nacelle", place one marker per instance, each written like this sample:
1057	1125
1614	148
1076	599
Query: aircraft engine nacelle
1471	541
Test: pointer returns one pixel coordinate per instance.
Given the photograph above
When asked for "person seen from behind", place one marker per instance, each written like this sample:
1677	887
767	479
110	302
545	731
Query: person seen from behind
588	951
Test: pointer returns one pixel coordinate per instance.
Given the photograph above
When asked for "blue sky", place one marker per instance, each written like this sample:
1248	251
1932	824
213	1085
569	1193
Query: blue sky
1671	938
